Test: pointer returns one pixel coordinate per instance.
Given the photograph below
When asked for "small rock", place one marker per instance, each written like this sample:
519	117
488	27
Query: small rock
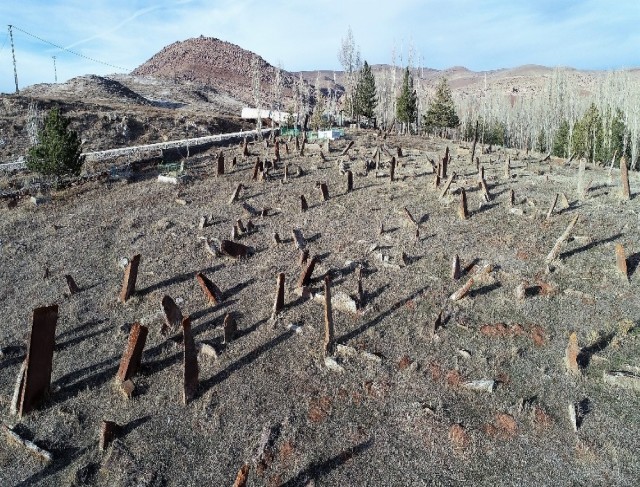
206	350
371	356
483	385
464	353
622	378
294	327
123	263
128	388
180	201
345	351
521	291
516	211
332	365
39	200
167	179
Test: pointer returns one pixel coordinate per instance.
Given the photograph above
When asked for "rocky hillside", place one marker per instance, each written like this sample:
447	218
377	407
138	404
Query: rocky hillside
214	63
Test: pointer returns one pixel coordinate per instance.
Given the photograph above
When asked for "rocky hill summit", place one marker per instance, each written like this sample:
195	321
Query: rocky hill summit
215	63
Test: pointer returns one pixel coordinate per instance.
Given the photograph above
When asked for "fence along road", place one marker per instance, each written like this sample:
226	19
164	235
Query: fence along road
138	150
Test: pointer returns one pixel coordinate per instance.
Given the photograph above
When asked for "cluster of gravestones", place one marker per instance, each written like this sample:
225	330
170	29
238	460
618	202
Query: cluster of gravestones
34	378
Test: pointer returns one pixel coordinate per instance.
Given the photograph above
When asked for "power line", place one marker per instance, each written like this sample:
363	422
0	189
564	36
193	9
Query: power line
69	50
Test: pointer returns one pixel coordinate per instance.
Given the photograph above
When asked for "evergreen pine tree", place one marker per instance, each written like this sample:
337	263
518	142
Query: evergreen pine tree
441	113
407	101
58	150
366	100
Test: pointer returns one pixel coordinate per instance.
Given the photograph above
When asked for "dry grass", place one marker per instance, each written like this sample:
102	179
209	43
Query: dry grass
393	418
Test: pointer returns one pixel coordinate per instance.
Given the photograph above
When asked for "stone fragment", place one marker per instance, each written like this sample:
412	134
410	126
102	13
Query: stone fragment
109	431
462	292
230	328
130	277
331	364
234	249
17	391
243	473
71	284
235	194
622	378
29	445
128	388
558	245
39	361
482	385
132	356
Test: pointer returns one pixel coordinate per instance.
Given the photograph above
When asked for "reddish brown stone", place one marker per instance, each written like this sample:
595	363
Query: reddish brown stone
190	362
210	290
39	360
133	353
303	203
304	256
349	181
392	171
455	268
458	437
243	473
233	249
305	275
71	284
621	261
624	179
130	277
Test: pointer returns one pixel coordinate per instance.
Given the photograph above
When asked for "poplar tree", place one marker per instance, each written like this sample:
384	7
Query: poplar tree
407	101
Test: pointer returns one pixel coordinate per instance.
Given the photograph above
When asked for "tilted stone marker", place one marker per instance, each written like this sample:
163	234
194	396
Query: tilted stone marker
230	328
463	291
303	257
409	216
329	331
305	275
190	363
558	245
172	314
71	284
130	277
344	152
553	206
130	362
210	290
29	445
243	473
235	194
445	188
278	304
39	361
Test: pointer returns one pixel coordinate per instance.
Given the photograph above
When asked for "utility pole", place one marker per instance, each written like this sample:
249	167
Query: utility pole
55	71
13	53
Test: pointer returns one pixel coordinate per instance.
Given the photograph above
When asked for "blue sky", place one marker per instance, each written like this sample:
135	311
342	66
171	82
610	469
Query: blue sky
306	35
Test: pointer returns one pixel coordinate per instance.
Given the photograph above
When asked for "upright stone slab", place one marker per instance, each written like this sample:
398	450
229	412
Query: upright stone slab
349	181
233	249
130	362
71	284
172	313
39	361
329	332
130	277
305	275
278	304
190	363
230	328
210	290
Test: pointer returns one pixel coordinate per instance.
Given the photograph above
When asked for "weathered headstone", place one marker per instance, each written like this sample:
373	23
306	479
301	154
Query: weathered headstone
621	261
71	284
220	164
172	313
455	268
349	181
132	356
324	190
624	179
130	277
303	203
305	275
210	290
109	431
233	249
39	361
463	212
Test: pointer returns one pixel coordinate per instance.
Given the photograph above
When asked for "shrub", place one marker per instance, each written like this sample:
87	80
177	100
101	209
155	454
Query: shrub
57	152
